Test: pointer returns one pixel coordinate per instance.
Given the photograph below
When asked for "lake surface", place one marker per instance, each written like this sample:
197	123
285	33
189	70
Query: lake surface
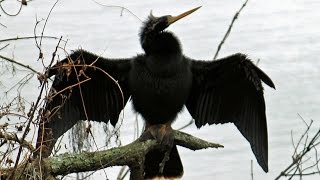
284	35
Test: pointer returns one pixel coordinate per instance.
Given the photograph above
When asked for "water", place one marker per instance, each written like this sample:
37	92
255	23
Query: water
284	35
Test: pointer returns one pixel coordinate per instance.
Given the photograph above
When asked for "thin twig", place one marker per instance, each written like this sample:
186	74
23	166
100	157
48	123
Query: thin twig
8	14
229	29
33	110
297	158
27	37
251	169
187	125
121	7
4	47
3	25
45	23
20	64
14	137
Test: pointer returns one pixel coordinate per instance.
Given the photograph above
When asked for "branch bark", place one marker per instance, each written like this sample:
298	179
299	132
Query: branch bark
131	155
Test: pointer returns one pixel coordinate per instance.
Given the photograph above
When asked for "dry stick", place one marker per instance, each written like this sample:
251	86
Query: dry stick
121	7
33	110
21	83
8	14
14	137
12	114
229	29
299	157
187	125
27	37
4	47
20	64
69	87
45	23
251	169
50	64
3	25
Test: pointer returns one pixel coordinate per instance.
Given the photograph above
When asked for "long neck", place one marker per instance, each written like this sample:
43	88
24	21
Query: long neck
163	52
160	43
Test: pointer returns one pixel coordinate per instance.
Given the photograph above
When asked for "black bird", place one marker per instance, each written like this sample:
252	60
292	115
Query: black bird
160	82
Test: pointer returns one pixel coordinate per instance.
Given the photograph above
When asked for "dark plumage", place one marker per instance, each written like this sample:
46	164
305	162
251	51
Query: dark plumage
159	82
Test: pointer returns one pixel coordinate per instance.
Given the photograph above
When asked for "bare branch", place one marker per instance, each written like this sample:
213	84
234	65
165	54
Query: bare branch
295	168
132	155
14	137
20	64
229	29
14	14
121	7
27	37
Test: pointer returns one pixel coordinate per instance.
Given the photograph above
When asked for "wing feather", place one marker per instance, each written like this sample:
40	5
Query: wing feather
97	99
230	90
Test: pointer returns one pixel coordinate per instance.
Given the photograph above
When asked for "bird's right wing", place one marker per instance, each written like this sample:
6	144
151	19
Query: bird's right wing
85	87
230	90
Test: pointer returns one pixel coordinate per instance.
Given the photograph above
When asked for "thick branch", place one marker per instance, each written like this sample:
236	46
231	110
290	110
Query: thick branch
131	155
119	156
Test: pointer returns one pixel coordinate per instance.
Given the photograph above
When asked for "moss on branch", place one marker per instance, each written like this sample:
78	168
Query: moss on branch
131	155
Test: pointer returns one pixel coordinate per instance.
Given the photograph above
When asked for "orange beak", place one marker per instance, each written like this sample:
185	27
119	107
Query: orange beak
172	19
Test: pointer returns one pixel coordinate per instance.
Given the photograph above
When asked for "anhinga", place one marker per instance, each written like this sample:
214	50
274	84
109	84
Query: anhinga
160	82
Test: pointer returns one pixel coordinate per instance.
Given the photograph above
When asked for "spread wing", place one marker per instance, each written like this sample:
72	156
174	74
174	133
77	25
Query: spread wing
85	87
230	90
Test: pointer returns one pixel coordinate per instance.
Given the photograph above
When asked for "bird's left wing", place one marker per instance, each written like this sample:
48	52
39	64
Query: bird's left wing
85	87
230	90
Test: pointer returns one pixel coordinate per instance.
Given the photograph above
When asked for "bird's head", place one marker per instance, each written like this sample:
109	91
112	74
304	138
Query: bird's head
156	25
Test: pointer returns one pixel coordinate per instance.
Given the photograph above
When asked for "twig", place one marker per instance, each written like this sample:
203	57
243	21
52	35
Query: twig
8	14
45	23
187	125
121	7
4	47
14	137
20	64
251	169
33	110
32	113
27	37
229	29
297	159
3	25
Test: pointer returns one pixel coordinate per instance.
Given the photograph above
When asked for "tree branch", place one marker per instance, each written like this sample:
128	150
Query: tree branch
18	63
131	155
235	17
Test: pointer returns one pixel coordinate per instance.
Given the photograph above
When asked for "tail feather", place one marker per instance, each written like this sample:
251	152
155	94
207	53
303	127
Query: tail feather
172	169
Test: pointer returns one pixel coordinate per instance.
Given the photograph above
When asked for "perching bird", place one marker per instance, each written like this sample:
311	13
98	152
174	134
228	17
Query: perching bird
160	82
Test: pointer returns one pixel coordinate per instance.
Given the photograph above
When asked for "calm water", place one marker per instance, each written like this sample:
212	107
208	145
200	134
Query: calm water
284	35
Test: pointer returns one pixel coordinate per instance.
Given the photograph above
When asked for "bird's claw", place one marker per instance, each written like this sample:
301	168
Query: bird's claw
162	133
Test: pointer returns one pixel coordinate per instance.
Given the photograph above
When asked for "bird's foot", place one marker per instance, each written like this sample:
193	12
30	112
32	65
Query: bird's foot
163	133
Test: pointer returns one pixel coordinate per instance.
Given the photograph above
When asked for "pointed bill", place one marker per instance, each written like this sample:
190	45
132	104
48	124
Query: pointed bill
172	19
